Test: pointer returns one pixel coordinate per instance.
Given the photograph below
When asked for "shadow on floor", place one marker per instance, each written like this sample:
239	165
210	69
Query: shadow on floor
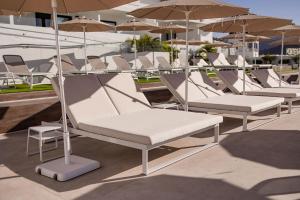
278	186
270	147
276	148
115	159
166	187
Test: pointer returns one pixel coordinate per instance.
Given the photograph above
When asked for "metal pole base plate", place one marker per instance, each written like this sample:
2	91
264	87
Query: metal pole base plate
57	169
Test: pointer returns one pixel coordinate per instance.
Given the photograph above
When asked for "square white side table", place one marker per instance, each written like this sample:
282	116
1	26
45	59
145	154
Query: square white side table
43	134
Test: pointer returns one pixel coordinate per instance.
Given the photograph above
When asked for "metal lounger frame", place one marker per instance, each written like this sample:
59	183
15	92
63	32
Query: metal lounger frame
146	148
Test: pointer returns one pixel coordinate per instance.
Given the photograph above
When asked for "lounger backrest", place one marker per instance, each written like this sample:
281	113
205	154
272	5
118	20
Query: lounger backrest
67	64
202	63
268	78
163	63
15	64
96	63
249	81
214	59
86	99
121	63
223	59
232	59
207	80
233	79
204	84
124	93
182	59
176	84
146	63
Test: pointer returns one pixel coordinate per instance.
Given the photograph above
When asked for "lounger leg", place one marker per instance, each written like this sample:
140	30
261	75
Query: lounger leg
145	161
31	82
13	82
41	147
290	104
245	122
279	110
28	138
217	133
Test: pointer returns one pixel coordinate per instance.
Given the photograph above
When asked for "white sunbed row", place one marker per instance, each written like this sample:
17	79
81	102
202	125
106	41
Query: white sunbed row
270	79
110	107
203	96
125	117
233	79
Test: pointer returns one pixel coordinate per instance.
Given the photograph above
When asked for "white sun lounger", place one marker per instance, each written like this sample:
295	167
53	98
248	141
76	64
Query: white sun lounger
109	107
17	69
67	65
218	60
122	64
238	60
98	66
182	60
270	79
202	63
233	79
146	64
165	66
147	67
203	97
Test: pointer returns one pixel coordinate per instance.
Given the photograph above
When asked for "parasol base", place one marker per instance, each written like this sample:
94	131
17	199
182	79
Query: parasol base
58	170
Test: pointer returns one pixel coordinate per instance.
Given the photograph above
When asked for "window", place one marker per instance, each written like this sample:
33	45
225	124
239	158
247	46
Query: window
109	22
44	20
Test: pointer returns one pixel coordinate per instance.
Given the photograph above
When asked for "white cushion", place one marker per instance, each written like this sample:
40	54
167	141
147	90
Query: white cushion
239	103
176	84
223	59
269	78
234	81
124	93
151	126
163	63
202	63
203	81
86	99
277	92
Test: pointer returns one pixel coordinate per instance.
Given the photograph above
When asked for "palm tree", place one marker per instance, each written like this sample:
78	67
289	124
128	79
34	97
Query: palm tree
202	52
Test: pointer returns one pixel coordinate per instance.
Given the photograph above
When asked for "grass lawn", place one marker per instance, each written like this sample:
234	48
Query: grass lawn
150	80
25	88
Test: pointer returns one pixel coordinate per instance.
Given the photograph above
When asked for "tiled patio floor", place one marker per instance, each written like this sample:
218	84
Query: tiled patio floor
261	164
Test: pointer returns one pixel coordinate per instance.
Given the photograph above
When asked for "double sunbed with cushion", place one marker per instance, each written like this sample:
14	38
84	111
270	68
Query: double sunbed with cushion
233	79
203	97
110	107
270	79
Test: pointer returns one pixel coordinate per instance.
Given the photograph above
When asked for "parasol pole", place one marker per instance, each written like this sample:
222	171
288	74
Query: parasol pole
85	48
299	62
281	58
66	135
244	60
171	32
187	16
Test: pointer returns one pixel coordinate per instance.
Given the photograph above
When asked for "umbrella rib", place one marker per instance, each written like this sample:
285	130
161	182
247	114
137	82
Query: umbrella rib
66	6
104	4
21	6
169	14
150	11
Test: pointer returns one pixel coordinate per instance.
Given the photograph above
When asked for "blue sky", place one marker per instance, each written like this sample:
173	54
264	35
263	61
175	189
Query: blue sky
278	8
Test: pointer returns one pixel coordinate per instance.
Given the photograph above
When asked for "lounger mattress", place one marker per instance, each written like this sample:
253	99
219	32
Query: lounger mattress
237	103
152	126
276	92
